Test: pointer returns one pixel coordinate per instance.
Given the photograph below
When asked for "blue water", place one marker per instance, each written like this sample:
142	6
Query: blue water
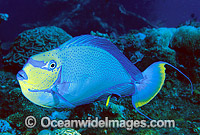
169	13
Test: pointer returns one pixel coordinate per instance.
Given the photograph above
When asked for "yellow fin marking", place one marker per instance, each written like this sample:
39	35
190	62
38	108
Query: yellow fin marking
108	100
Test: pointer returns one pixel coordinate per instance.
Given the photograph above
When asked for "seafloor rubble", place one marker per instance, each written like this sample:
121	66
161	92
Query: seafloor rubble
178	46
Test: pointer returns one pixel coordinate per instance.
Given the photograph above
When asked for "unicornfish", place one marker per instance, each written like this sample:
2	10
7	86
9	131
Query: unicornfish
86	69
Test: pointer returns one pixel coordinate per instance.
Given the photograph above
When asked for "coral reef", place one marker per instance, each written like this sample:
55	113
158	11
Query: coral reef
16	119
186	43
66	131
148	132
178	46
5	127
62	131
3	17
192	22
143	47
60	115
34	41
187	37
130	44
45	132
156	46
159	37
70	13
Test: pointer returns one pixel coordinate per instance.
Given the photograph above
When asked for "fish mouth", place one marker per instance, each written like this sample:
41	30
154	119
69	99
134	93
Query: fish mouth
35	90
21	75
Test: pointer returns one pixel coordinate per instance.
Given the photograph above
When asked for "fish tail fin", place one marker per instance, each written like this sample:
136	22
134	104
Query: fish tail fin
151	84
140	112
148	88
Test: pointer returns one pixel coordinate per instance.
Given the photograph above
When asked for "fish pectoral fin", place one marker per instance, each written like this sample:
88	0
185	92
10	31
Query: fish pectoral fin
63	88
120	88
103	97
108	100
117	96
60	101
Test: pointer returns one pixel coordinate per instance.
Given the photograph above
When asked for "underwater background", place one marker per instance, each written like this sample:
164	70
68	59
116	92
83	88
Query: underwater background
146	31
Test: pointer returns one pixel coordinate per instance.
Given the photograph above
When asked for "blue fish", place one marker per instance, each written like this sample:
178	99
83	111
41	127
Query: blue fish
86	69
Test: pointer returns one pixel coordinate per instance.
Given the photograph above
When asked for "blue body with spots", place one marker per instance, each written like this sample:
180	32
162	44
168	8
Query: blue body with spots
87	69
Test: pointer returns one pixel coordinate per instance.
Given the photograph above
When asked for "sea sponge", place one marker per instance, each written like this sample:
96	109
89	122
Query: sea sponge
186	43
157	45
160	37
186	38
34	41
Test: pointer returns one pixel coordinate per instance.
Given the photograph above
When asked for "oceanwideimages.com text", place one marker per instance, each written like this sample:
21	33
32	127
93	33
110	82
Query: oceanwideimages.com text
46	122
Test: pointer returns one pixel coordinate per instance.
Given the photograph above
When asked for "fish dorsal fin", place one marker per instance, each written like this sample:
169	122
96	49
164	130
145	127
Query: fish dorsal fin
94	41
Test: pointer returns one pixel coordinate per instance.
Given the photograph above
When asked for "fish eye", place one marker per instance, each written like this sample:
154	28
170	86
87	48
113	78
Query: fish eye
52	64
